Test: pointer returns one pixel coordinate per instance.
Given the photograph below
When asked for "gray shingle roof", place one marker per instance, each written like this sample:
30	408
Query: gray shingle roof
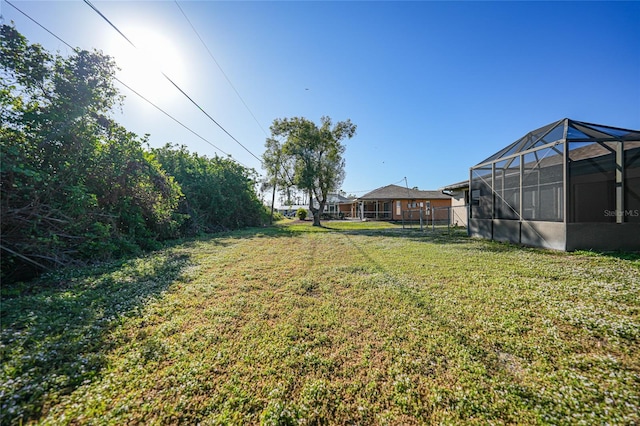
337	198
395	192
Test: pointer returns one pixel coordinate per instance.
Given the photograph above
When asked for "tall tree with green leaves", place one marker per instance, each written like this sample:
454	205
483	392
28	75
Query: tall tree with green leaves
308	156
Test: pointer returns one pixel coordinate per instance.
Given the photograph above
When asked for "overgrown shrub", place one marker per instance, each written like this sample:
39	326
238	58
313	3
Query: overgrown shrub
219	193
301	213
77	187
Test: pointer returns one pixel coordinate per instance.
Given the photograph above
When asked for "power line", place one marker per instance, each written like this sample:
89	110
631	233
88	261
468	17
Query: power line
286	172
175	85
125	85
110	23
220	68
369	190
178	121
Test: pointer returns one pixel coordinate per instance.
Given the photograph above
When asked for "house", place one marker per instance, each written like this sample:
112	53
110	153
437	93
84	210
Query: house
569	185
397	203
289	200
459	193
337	207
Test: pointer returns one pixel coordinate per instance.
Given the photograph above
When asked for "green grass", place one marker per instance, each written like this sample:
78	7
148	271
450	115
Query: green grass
352	323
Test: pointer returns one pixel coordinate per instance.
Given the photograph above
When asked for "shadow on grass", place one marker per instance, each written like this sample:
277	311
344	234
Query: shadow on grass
378	228
632	257
54	338
437	236
293	228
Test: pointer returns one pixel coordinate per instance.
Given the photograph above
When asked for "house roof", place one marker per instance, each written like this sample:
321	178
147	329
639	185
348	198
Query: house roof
395	192
334	198
456	186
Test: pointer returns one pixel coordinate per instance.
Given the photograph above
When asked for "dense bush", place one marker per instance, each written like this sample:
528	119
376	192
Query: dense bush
301	213
219	193
76	186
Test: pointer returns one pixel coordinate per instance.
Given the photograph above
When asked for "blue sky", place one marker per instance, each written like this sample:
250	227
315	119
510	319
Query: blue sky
434	87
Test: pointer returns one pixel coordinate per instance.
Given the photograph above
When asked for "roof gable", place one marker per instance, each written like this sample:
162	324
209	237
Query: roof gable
337	198
395	192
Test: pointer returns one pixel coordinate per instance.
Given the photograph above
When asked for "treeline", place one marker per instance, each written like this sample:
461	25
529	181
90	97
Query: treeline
77	187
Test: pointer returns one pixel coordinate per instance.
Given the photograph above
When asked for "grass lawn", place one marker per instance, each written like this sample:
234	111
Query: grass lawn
354	323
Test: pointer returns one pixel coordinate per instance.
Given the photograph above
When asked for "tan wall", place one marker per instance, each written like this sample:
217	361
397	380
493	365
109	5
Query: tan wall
459	213
345	209
370	209
439	214
457	199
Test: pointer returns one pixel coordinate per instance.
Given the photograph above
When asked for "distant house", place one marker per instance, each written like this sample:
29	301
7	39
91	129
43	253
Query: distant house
338	206
290	210
290	200
396	203
459	193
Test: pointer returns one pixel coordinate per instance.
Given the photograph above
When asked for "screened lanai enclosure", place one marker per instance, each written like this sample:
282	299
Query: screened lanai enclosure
569	185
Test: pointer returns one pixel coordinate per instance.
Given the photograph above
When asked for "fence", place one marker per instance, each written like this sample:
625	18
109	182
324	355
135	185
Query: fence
454	216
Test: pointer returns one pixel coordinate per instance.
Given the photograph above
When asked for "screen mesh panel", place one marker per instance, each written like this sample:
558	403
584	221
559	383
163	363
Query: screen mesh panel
592	167
542	189
507	189
632	182
481	195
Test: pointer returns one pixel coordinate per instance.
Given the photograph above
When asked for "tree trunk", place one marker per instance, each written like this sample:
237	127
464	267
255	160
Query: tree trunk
273	201
315	212
316	216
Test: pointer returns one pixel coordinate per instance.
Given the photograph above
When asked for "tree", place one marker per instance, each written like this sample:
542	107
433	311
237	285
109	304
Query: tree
271	162
301	154
74	185
48	107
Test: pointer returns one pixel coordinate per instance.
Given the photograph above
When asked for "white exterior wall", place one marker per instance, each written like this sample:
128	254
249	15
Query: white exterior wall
459	208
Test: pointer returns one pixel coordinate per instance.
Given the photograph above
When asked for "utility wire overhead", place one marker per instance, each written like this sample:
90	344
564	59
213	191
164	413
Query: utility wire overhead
369	190
174	84
181	124
220	68
229	81
280	166
95	9
125	85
